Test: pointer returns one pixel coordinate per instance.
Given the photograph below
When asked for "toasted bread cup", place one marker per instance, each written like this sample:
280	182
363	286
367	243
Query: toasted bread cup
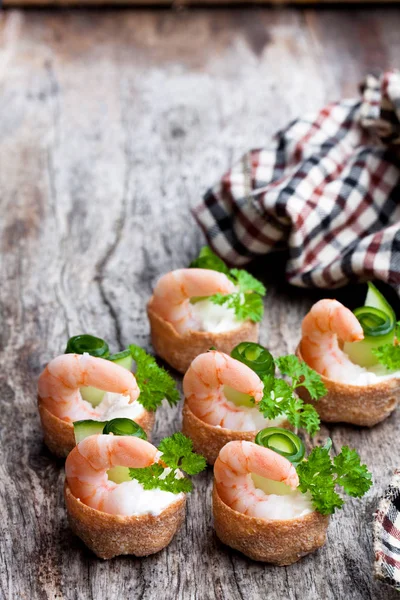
356	404
281	542
112	535
179	350
59	435
208	439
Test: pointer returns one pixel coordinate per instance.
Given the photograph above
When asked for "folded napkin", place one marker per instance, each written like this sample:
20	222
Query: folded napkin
387	534
326	189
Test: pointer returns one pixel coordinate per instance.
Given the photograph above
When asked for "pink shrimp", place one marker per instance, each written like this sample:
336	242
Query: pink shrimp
173	291
327	324
59	384
87	465
204	388
232	472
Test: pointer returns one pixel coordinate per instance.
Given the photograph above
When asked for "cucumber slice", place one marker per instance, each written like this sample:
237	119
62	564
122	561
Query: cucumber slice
238	398
282	441
119	474
123	359
271	487
360	352
375	299
92	395
82	429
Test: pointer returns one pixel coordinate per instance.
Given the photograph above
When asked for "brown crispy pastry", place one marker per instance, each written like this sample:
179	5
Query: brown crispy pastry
281	542
59	435
359	405
112	535
179	350
207	439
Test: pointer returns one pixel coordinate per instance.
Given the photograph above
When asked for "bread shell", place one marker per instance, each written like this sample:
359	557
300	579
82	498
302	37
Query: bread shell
208	439
359	405
280	542
59	435
179	350
112	535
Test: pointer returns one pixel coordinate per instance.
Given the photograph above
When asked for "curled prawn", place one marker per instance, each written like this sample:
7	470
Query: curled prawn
171	296
204	388
59	384
87	465
232	472
324	329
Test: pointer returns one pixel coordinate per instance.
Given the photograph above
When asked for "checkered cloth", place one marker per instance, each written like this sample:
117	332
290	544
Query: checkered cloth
387	535
326	188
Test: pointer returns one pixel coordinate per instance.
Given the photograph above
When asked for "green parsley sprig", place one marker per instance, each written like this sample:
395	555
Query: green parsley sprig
389	354
279	395
247	300
176	456
153	381
320	475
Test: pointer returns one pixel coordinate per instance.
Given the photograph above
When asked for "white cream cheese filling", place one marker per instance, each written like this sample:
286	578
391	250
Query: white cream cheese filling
115	406
213	317
130	499
363	376
291	506
245	418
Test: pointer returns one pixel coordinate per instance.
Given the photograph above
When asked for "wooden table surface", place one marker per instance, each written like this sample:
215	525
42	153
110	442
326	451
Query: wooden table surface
112	125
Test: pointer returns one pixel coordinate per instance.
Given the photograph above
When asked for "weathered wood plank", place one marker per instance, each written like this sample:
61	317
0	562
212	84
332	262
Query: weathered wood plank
112	124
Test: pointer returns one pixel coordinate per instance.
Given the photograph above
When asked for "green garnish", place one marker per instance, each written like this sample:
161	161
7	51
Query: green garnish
177	455
123	426
319	475
284	442
208	260
247	300
154	382
389	354
94	346
255	356
279	395
377	319
374	321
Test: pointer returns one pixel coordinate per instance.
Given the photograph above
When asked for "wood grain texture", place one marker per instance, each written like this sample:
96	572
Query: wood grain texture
112	124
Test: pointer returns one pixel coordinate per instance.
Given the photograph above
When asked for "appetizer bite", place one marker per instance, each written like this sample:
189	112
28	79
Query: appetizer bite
202	306
124	496
358	357
88	383
233	397
273	505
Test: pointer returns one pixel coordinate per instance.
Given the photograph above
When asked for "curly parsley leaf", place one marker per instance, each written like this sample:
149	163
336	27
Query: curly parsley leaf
208	260
177	455
247	283
246	305
279	395
302	375
177	452
319	475
388	355
246	302
351	474
154	382
158	477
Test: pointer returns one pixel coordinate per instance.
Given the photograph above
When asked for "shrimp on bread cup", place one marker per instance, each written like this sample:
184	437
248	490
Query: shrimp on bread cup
124	496
272	505
203	306
232	397
87	383
357	356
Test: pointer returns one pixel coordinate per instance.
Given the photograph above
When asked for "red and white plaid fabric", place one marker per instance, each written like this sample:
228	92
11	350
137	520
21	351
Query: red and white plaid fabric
326	189
387	534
